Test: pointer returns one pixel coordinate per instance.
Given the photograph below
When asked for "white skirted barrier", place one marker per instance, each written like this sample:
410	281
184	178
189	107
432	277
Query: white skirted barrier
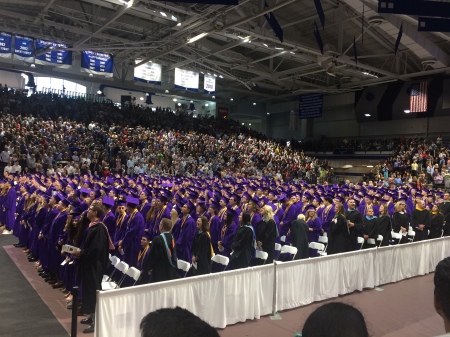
234	296
220	299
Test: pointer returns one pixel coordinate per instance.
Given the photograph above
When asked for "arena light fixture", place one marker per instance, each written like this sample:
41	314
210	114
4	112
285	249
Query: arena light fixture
99	92
213	97
163	14
197	37
254	103
178	24
174	99
367	115
231	99
249	124
32	65
141	98
243	123
407	111
206	104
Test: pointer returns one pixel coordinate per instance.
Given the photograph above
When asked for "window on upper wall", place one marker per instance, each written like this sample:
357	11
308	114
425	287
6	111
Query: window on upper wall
58	86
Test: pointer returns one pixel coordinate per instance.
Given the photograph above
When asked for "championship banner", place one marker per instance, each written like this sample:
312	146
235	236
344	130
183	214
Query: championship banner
97	63
148	73
209	85
24	48
186	79
5	45
54	54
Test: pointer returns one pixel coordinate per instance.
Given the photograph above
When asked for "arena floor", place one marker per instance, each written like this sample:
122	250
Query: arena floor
29	306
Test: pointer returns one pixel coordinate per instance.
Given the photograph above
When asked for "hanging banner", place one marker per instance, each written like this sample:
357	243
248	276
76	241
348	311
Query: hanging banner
24	48
148	73
310	106
97	63
54	54
209	85
186	79
5	45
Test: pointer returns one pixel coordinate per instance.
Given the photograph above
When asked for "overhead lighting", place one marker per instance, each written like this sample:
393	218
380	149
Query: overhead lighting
292	52
179	104
174	99
147	94
265	45
215	75
25	76
367	115
369	165
213	97
141	98
191	102
241	37
178	24
268	113
283	52
206	104
99	92
90	75
163	14
407	111
231	99
243	123
196	38
249	124
247	39
369	74
254	103
279	48
167	91
174	18
220	76
129	3
32	65
202	72
209	74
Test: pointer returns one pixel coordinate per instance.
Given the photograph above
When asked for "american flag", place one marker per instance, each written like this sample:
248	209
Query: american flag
418	100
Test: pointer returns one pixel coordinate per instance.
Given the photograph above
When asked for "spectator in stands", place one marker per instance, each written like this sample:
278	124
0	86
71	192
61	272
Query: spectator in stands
442	291
335	320
175	322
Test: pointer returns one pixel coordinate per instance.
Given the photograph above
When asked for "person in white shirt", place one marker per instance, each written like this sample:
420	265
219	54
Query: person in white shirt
16	168
8	168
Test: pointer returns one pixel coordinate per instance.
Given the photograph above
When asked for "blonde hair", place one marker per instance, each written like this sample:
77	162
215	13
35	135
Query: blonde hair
301	217
269	211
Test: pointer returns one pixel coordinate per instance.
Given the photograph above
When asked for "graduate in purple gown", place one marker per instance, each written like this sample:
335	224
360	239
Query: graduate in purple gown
9	205
19	209
214	225
162	211
227	233
326	214
109	218
56	229
131	241
290	214
42	211
144	205
315	227
187	230
142	258
44	233
121	220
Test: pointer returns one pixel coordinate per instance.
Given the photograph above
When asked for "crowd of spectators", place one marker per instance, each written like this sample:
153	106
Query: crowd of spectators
49	133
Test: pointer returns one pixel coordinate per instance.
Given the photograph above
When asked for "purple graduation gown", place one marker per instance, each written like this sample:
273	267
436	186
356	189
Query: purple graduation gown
186	239
131	240
10	208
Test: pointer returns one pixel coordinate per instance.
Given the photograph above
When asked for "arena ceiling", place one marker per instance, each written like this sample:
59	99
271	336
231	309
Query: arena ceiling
240	45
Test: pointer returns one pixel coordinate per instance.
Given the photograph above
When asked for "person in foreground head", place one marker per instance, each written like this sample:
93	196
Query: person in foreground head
175	322
442	291
335	319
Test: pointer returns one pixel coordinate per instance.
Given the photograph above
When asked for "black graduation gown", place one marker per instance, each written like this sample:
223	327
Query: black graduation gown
400	220
162	266
420	218
444	208
266	232
356	230
201	249
94	261
384	229
338	236
242	247
436	225
370	229
299	238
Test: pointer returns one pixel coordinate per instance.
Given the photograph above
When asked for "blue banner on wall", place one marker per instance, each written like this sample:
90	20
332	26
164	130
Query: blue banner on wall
54	53
310	106
24	48
5	45
97	63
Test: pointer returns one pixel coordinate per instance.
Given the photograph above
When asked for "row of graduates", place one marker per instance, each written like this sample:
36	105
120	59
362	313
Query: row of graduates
41	220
